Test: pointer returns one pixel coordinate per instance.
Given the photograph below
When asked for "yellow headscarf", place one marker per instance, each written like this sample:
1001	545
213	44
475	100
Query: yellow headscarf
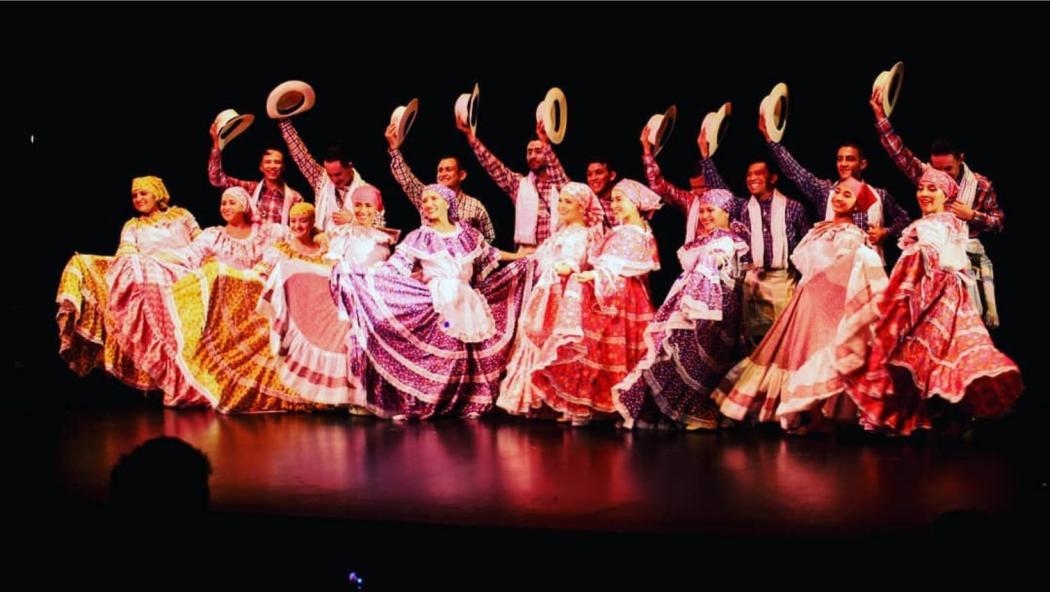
154	185
302	209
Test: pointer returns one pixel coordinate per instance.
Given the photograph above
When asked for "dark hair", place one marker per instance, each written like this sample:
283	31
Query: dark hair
335	154
603	160
943	147
459	161
855	145
771	165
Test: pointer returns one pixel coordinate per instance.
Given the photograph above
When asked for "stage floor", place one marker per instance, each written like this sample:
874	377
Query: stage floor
507	498
506	472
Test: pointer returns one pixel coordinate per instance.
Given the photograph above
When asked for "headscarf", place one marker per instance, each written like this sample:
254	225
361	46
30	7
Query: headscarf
583	195
865	197
302	209
154	185
720	198
942	180
243	198
646	200
449	196
369	193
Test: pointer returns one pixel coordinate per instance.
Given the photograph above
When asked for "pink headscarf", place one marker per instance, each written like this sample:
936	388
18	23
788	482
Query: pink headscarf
368	193
646	200
942	180
582	194
863	193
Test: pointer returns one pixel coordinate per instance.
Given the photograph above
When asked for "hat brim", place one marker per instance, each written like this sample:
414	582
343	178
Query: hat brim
774	110
403	117
466	108
555	115
290	98
472	108
660	128
714	127
233	128
890	83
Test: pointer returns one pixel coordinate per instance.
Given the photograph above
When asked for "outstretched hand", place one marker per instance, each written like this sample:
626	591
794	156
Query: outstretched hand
647	146
762	123
464	127
541	132
703	144
876	103
391	136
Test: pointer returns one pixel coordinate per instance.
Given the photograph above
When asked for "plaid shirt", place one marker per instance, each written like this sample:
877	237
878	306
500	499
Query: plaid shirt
508	181
271	200
795	219
988	216
682	198
471	211
310	168
605	199
894	218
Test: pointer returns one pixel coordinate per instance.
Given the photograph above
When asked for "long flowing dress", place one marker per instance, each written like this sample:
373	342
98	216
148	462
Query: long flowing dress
432	327
552	306
694	338
929	343
308	329
794	365
596	353
83	295
146	320
271	338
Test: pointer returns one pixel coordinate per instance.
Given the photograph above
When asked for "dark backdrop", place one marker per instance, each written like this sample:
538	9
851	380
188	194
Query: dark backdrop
104	103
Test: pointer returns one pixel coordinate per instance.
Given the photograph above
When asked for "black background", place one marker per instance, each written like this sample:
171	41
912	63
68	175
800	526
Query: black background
105	102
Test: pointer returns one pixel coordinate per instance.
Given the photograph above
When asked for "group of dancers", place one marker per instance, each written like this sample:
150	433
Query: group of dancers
297	306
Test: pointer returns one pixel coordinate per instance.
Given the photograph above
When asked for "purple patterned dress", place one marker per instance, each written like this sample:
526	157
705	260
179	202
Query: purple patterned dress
432	326
692	341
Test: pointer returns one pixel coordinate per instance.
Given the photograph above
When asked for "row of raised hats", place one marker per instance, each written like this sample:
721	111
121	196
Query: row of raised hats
295	96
